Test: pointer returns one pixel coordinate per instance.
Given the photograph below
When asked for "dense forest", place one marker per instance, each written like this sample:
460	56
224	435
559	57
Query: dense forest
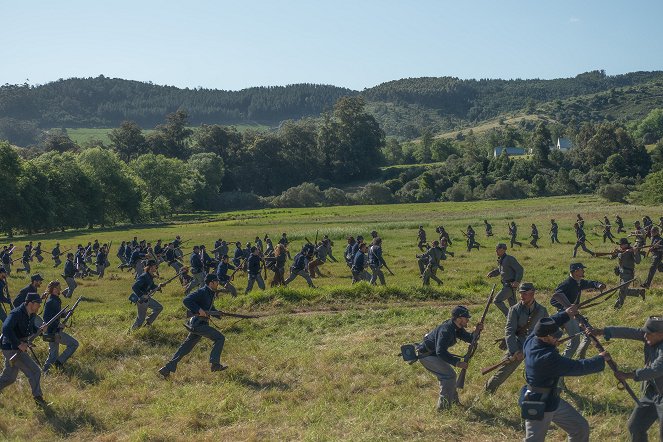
403	108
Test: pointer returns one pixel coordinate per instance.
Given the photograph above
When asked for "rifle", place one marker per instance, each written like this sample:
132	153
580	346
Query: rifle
70	312
316	237
135	298
232	275
308	241
464	234
38	333
460	383
388	269
584	323
62	253
586	302
220	313
510	359
616	251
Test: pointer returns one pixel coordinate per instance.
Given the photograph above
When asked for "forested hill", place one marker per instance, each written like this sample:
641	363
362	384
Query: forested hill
106	102
402	107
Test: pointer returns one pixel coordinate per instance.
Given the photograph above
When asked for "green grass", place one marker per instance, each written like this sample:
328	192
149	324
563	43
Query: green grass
320	364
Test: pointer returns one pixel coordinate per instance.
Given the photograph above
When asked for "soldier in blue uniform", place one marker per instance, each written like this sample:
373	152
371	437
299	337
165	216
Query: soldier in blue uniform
300	268
69	276
55	254
4	295
535	236
544	367
54	334
18	326
101	260
197	270
348	251
253	269
572	287
656	256
199	304
513	234
238	256
554	228
581	238
33	287
141	288
359	262
421	238
25	260
224	278
434	353
376	261
651	375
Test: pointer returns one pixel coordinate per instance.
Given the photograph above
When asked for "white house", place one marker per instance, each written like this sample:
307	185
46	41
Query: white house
564	144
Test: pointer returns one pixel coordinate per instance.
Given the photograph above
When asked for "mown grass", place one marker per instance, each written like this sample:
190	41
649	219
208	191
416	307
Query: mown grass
320	364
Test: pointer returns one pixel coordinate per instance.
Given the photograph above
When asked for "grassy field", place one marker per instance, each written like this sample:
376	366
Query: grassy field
320	364
84	135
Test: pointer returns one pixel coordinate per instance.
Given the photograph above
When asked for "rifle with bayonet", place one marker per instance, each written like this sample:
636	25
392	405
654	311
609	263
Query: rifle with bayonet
616	251
586	326
69	314
30	339
588	302
460	383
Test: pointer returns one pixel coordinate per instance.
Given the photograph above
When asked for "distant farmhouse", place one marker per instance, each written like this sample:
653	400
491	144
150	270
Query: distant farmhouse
564	144
510	151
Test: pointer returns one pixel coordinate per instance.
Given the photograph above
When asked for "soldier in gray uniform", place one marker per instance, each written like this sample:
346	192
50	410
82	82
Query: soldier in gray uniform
421	236
429	262
554	228
520	322
513	234
511	273
651	375
628	257
376	261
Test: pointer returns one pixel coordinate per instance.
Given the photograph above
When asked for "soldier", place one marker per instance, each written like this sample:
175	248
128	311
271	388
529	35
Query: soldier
6	258
285	242
656	256
217	246
429	263
444	235
54	334
136	260
471	243
513	234
197	271
199	304
535	236
554	228
580	240
38	252
355	247
101	259
223	247
300	267
374	234
421	236
55	254
329	243
320	253
376	261
258	243
4	295
511	273
33	287
254	268
69	276
489	228
607	234
620	224
647	224
443	246
238	256
520	322
141	288
222	276
434	353
25	260
580	221
544	367
572	288
651	375
358	268
18	326
628	257
278	266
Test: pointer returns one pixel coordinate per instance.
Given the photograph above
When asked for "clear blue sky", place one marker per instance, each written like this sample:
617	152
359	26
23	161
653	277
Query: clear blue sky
356	44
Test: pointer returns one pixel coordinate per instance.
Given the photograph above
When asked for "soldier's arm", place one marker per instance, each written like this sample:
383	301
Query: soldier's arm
623	333
510	331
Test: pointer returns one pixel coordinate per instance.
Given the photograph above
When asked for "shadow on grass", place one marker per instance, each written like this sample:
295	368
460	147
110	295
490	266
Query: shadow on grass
590	406
259	385
496	419
86	375
67	421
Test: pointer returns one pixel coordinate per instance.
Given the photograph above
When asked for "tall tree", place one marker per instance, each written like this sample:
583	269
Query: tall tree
171	139
128	140
540	143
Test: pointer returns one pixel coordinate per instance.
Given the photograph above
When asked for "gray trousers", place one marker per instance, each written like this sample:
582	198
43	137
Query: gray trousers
656	261
228	288
501	375
446	375
565	417
644	417
26	267
255	278
176	266
506	293
627	275
24	363
65	339
57	261
430	273
377	273
140	268
71	286
360	276
572	327
583	247
303	273
100	270
142	312
197	281
200	330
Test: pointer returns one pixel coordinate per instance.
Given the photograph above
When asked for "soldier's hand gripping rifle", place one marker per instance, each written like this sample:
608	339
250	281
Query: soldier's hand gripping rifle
460	383
585	325
135	298
512	358
30	339
69	314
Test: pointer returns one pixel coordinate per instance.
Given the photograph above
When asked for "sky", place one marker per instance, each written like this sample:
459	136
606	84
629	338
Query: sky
357	44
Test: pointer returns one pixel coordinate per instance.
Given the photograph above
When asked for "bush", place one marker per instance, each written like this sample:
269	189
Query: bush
615	193
374	193
239	200
336	197
649	192
506	190
304	195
